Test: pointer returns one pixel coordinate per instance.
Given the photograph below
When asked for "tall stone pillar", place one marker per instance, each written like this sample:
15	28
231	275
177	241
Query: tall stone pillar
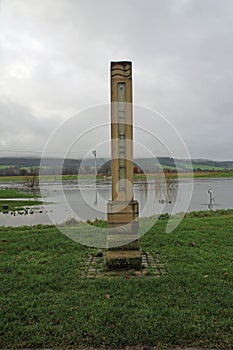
122	210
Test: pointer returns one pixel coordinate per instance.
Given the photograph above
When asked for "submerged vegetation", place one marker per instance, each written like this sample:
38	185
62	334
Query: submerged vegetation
12	200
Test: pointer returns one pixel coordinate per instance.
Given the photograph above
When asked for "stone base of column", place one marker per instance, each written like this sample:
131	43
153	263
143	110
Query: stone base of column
123	260
122	242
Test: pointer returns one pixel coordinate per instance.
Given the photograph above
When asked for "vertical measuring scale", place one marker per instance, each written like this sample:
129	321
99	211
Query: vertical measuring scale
121	138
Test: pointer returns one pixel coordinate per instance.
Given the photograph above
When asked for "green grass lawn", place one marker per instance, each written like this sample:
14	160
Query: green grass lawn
45	303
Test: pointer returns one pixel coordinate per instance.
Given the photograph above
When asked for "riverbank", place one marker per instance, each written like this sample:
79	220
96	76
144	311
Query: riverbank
196	174
47	304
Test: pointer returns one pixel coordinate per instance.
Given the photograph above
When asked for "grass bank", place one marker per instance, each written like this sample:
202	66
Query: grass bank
11	193
8	199
196	174
16	205
214	174
52	178
45	304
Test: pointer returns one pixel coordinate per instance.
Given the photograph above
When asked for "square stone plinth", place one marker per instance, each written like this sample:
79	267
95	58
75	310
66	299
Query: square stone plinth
123	260
122	213
122	241
122	224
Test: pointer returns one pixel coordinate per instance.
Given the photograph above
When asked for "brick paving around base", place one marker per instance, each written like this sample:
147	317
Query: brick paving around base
152	266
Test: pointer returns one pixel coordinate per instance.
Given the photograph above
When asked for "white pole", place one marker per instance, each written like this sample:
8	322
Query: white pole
94	154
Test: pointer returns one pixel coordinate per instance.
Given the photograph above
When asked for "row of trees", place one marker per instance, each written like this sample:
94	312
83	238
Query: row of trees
105	169
17	171
34	171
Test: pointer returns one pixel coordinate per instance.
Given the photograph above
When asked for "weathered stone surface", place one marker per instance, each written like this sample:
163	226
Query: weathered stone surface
128	246
128	259
123	210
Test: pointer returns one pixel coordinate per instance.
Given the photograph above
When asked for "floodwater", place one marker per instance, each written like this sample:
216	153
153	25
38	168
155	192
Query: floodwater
88	200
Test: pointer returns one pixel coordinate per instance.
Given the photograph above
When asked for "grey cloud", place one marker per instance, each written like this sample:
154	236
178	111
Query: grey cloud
21	129
55	61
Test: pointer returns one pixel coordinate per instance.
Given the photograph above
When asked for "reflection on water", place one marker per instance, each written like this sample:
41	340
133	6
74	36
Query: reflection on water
166	190
212	200
88	200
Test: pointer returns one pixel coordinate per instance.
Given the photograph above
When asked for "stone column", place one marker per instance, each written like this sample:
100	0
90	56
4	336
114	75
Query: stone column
122	210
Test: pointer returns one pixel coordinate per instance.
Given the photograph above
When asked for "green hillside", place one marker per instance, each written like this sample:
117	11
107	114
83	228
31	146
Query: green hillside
12	166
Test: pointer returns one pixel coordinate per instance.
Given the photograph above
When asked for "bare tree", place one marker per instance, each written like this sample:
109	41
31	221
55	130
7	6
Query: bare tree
31	183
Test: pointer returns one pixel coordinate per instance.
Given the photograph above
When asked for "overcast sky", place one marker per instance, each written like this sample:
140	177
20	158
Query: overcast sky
55	57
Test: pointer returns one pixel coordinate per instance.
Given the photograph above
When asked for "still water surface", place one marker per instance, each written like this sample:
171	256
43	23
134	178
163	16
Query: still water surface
88	200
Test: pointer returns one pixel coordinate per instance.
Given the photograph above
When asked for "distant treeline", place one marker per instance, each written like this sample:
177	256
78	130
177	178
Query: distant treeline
30	166
14	166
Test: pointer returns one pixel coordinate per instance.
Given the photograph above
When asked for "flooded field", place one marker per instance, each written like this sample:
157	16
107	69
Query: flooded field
87	200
